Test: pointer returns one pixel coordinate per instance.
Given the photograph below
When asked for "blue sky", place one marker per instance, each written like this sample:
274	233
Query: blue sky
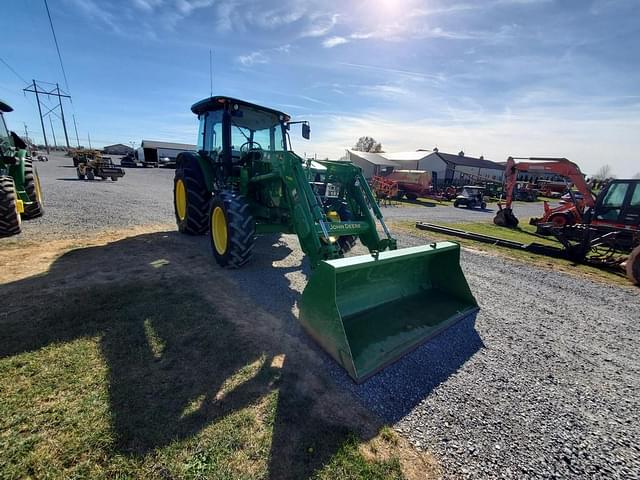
493	77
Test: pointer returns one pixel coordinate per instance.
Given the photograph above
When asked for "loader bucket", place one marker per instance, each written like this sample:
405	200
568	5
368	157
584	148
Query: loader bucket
367	312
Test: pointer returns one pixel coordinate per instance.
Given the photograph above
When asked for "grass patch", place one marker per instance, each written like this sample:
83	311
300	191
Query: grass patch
524	234
149	380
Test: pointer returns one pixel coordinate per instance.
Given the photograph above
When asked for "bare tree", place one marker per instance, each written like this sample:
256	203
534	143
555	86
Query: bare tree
637	175
368	144
604	172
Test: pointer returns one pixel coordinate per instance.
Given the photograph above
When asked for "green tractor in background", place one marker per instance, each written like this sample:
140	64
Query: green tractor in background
20	193
366	311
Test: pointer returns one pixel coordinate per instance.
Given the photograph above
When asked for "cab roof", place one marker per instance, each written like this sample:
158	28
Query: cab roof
218	102
4	107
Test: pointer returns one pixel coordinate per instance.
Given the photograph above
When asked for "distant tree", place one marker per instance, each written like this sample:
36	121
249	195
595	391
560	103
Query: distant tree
368	144
637	175
603	173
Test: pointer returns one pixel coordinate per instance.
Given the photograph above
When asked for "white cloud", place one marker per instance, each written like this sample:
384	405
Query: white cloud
253	58
334	42
321	25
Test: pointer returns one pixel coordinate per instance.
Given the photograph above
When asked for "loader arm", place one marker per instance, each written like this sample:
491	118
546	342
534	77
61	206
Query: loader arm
559	166
316	233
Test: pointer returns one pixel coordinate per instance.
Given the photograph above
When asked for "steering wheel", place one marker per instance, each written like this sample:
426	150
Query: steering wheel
250	146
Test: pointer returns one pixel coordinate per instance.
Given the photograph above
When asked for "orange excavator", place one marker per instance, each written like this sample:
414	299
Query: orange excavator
568	213
606	228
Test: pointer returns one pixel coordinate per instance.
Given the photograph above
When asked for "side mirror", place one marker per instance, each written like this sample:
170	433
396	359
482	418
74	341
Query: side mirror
306	131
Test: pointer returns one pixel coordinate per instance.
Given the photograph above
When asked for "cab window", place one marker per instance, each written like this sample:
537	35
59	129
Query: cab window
4	133
615	195
213	132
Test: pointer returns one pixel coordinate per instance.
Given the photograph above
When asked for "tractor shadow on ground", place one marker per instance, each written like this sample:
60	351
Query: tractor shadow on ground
175	335
397	389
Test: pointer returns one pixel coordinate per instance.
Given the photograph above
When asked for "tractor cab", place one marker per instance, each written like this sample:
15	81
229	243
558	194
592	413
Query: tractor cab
235	133
618	206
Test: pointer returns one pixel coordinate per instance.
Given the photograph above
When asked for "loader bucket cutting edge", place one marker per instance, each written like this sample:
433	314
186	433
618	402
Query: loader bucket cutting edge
367	312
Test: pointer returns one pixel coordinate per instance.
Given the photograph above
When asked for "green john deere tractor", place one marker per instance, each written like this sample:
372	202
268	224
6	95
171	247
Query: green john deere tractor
20	193
367	310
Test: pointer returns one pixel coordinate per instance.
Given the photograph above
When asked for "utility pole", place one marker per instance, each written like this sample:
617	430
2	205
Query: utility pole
64	125
44	133
89	138
37	89
55	145
26	132
76	129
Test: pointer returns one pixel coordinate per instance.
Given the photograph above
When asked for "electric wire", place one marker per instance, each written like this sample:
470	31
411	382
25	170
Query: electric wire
55	40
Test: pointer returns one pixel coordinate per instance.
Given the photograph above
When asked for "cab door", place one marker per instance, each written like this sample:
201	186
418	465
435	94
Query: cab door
619	204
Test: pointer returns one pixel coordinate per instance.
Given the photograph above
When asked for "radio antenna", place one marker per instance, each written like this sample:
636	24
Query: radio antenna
210	73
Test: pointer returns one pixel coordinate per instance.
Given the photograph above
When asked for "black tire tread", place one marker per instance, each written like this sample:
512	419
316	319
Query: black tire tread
9	217
35	209
198	197
240	230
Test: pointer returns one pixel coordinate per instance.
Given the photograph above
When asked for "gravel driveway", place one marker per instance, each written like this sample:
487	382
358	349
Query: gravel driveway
543	382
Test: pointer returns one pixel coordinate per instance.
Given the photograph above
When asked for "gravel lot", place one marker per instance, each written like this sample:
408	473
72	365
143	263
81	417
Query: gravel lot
142	196
543	382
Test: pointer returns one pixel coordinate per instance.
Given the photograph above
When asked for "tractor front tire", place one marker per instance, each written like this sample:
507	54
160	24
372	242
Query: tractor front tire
232	230
191	197
32	188
10	221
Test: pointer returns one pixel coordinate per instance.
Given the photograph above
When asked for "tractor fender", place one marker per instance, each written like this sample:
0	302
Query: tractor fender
205	166
16	170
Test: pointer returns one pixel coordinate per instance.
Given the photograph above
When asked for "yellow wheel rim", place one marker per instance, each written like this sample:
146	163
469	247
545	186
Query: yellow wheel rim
181	200
219	231
38	189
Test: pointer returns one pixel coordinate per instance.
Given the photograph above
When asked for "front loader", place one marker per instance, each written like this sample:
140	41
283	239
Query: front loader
20	193
366	311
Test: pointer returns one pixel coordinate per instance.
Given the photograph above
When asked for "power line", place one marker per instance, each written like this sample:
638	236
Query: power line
55	40
14	72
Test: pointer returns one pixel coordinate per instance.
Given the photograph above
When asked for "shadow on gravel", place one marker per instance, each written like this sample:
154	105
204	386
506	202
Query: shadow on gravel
177	338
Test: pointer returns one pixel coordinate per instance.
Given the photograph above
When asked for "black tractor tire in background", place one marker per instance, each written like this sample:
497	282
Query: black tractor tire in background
456	204
10	221
90	175
240	230
114	179
411	196
198	196
32	188
633	266
483	205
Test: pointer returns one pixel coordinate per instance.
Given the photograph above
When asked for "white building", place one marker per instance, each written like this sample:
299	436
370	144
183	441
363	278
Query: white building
445	168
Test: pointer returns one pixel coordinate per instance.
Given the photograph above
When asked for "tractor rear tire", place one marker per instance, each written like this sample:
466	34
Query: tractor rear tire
191	197
32	188
411	196
633	266
456	204
10	221
90	175
232	230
